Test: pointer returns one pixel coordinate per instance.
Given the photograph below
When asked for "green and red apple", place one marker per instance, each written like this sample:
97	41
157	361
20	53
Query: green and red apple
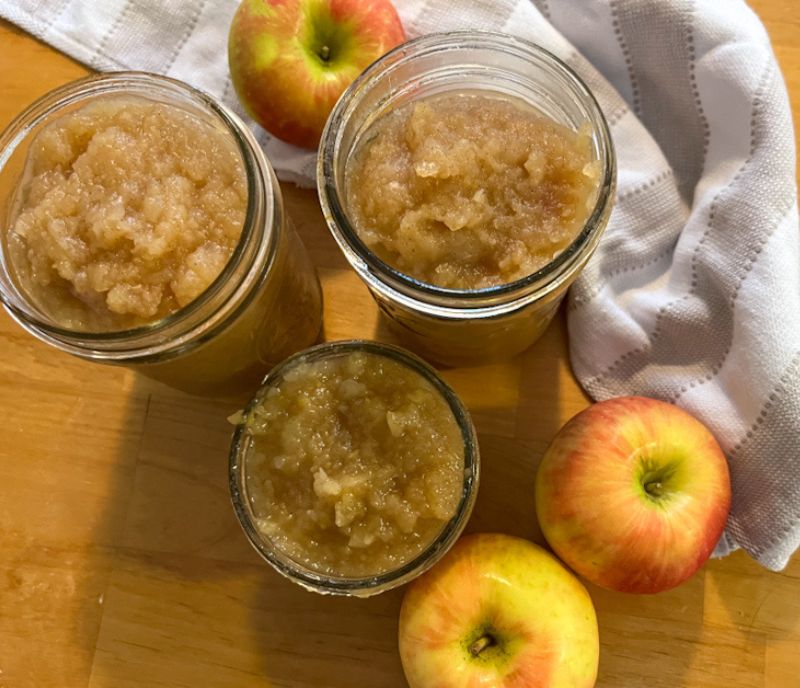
290	60
498	611
633	494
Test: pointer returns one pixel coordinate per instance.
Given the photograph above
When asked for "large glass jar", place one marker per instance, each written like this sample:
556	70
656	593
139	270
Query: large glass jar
265	304
299	419
464	326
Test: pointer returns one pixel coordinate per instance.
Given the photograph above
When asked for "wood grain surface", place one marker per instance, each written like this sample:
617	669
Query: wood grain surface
121	563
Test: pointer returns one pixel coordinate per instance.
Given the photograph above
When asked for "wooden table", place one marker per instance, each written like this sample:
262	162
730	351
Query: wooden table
121	562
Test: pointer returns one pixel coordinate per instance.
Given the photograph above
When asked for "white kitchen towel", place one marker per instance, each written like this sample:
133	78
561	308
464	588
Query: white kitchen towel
694	293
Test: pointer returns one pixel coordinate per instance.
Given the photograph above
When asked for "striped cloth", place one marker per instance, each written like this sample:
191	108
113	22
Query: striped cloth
694	293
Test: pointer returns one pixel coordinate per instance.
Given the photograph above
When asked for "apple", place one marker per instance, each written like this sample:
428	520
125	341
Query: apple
500	612
633	494
290	60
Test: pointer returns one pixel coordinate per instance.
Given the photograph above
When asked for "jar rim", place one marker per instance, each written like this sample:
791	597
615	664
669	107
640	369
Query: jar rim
333	206
146	85
359	586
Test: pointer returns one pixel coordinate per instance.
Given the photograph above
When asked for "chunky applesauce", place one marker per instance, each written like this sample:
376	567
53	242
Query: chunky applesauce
127	211
471	190
356	464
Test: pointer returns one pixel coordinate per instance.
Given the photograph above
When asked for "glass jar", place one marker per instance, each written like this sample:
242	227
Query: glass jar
266	302
242	448
463	326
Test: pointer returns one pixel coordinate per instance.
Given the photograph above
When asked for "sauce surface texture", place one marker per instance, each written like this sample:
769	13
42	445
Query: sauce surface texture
356	465
468	191
128	210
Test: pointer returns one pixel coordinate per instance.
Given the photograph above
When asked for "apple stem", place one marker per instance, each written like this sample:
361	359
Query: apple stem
325	53
481	644
653	488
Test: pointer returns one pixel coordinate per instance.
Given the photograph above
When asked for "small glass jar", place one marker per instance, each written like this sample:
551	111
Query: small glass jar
265	304
242	447
462	326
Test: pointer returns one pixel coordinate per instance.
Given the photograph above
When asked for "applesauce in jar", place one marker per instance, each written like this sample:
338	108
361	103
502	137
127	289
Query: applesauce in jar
142	225
467	179
468	190
127	211
356	462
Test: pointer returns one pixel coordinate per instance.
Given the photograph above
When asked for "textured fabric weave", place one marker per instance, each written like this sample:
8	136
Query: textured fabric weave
694	293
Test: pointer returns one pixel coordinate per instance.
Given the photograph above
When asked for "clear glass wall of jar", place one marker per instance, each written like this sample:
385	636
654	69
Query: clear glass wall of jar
265	304
243	447
452	326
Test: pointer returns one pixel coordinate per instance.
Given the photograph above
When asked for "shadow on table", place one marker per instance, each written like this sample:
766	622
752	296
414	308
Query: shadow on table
721	628
189	599
187	585
190	603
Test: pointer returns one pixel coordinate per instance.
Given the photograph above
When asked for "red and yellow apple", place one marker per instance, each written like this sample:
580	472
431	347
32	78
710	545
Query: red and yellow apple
498	611
290	60
633	494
